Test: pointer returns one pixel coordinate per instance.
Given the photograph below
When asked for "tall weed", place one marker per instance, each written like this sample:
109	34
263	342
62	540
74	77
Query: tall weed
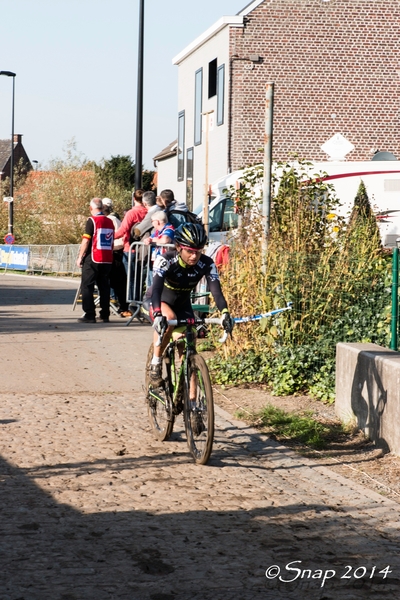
336	275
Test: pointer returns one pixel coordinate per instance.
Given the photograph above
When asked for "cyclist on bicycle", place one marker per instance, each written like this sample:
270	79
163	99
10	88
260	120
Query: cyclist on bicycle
176	275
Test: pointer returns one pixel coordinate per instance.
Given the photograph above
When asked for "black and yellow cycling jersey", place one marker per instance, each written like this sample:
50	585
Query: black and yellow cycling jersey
174	280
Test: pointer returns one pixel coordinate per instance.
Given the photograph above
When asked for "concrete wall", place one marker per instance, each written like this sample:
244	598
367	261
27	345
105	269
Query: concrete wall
368	391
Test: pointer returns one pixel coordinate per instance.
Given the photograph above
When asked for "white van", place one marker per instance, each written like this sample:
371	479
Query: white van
222	218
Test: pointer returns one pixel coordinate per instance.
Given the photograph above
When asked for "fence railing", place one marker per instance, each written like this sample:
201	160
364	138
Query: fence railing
42	260
140	271
140	277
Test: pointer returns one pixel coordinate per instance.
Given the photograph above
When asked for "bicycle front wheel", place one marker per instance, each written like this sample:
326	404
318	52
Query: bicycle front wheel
199	410
159	405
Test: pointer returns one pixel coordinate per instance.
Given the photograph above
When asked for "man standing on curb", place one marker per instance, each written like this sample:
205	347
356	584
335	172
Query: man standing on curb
118	273
96	257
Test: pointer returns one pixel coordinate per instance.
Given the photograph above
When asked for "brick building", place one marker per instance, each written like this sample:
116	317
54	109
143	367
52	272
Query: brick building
336	69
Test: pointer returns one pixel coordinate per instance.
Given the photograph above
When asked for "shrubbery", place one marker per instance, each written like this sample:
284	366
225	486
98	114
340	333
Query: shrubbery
51	206
335	273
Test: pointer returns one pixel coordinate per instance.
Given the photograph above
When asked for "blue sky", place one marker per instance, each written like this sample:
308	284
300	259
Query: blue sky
76	66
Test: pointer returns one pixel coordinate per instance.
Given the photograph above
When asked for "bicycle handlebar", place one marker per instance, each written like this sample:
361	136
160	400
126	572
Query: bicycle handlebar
216	321
271	313
208	321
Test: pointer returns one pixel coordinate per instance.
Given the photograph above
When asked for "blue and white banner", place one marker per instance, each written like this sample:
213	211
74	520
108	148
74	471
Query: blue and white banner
14	257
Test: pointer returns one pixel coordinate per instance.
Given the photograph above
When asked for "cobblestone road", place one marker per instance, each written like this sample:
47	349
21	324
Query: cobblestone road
92	507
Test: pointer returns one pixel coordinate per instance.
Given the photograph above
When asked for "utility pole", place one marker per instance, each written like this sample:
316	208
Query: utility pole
206	183
11	198
269	113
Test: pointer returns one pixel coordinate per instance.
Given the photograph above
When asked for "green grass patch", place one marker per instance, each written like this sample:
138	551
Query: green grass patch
298	428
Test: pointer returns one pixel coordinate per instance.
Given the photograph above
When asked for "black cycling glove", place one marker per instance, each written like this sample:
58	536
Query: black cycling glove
227	322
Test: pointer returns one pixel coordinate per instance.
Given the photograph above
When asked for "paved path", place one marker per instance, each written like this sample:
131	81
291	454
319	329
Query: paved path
92	507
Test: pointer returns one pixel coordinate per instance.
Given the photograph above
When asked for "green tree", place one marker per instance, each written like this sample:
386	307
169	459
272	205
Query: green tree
118	170
362	220
147	181
362	206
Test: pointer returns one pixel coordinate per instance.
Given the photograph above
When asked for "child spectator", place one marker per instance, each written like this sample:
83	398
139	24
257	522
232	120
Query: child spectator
163	234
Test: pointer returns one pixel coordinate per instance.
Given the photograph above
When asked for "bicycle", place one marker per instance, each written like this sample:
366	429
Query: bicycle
186	388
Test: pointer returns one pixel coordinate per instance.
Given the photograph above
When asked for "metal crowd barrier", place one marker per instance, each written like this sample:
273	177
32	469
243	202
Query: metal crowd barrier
42	260
61	260
139	267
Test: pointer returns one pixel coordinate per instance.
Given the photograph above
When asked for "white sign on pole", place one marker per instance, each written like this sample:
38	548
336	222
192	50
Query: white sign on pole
8	199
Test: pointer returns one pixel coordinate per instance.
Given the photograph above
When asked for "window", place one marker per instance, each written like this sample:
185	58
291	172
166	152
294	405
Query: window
181	145
231	219
189	178
198	106
223	217
212	78
215	217
220	94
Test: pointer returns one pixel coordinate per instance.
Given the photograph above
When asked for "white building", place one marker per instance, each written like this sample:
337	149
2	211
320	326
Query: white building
200	155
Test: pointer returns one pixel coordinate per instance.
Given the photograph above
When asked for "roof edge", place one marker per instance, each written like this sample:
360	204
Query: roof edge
234	21
167	152
249	7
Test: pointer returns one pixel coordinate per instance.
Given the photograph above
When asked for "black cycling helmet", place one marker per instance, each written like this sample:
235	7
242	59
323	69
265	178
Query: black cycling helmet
191	235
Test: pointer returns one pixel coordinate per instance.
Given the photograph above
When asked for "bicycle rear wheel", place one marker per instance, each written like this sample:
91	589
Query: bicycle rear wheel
159	405
199	410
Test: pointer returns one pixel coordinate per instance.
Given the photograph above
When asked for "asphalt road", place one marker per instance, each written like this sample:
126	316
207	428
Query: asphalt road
92	507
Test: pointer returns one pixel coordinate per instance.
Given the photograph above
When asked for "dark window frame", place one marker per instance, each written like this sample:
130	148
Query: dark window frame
189	177
198	106
181	146
220	94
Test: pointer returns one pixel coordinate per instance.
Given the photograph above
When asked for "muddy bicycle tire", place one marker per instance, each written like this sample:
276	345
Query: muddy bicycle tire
199	411
159	403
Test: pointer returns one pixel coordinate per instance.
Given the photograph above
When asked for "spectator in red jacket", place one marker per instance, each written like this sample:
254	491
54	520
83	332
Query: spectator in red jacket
134	216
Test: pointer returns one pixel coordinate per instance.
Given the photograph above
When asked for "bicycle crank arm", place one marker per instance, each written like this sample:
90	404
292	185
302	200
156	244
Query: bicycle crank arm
156	396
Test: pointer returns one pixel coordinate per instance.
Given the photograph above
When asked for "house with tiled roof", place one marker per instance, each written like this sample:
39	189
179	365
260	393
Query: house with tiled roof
19	155
335	68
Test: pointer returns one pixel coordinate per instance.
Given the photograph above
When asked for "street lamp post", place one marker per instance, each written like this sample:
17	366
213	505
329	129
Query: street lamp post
139	107
11	203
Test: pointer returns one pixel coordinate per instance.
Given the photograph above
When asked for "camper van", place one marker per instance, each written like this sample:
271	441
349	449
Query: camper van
382	182
381	179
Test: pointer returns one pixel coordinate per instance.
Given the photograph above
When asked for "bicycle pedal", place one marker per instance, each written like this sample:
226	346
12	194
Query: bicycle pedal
177	408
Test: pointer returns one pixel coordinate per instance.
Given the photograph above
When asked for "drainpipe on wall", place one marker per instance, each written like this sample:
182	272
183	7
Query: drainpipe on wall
269	115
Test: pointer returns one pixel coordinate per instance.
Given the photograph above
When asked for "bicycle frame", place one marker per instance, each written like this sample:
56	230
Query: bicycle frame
188	339
184	389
